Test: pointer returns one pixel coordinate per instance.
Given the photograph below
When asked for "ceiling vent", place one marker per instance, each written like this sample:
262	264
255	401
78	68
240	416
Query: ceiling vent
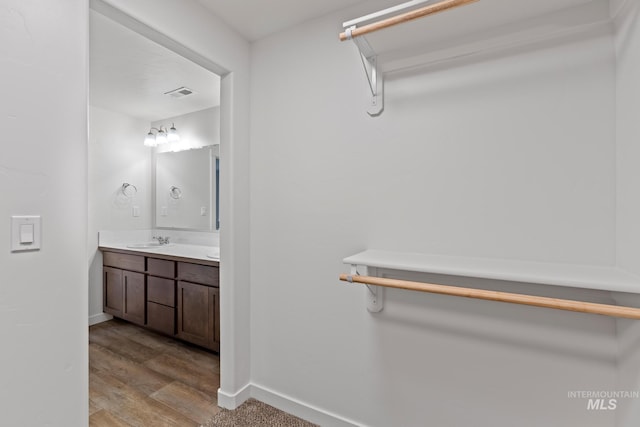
180	92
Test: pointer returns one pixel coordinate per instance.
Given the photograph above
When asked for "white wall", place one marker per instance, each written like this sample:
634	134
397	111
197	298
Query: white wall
509	156
628	411
116	156
628	129
43	295
628	188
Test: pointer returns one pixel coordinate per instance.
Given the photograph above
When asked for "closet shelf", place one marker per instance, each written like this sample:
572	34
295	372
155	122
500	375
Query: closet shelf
483	26
478	29
570	275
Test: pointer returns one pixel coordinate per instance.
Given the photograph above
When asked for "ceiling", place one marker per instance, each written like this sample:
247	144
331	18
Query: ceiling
130	74
255	19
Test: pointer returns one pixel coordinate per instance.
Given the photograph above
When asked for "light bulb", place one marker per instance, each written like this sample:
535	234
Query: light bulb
172	135
161	137
150	140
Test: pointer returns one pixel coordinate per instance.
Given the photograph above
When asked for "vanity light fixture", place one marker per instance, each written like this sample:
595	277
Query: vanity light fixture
161	136
150	140
172	135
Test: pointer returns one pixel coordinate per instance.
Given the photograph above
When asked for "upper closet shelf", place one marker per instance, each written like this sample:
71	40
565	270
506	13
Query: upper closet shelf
355	30
480	27
571	275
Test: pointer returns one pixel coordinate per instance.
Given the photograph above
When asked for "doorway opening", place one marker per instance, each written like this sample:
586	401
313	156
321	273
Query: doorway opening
138	89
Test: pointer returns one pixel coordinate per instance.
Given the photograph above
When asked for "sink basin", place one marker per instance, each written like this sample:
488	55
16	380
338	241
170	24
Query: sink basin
147	245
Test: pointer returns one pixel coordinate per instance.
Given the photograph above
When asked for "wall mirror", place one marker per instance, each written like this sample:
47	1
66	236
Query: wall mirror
186	189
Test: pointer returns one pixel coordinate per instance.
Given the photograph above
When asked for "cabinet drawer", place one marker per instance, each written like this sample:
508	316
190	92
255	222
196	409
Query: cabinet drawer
124	261
196	273
161	267
161	291
161	318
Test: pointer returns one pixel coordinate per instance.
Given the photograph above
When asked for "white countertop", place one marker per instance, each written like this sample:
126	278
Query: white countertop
205	253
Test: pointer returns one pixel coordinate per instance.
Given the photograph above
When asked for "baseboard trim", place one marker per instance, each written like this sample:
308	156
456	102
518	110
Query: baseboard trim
299	409
99	318
232	401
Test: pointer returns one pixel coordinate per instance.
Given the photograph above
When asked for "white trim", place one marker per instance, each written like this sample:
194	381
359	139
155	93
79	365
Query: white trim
99	318
299	409
232	401
105	8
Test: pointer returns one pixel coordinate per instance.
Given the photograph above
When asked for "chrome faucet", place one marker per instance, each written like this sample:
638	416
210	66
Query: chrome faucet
162	240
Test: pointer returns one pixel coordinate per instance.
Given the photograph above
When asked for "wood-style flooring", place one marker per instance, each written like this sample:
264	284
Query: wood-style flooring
140	378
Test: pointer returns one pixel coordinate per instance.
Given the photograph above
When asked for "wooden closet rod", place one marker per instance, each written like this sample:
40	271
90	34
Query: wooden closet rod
404	17
560	304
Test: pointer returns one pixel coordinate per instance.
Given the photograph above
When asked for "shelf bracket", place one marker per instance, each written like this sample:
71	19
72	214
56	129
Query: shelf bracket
375	294
370	63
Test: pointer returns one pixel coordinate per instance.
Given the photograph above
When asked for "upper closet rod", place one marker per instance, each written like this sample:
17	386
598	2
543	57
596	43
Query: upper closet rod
537	301
403	17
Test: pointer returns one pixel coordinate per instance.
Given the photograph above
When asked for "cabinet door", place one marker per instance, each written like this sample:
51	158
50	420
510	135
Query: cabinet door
161	318
195	314
215	296
135	299
113	291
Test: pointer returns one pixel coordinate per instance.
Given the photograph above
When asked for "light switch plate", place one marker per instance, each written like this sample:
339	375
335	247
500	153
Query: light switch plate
25	233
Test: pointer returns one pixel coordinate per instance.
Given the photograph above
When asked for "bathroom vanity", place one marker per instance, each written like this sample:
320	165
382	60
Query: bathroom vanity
169	284
172	294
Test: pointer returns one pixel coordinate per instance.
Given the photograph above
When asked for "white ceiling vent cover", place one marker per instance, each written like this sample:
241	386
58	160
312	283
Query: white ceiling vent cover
180	92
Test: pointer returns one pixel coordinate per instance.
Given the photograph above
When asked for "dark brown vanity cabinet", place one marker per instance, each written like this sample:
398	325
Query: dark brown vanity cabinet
199	305
124	290
165	294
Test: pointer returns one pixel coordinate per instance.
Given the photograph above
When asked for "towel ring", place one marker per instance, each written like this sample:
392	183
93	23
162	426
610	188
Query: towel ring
129	190
175	192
